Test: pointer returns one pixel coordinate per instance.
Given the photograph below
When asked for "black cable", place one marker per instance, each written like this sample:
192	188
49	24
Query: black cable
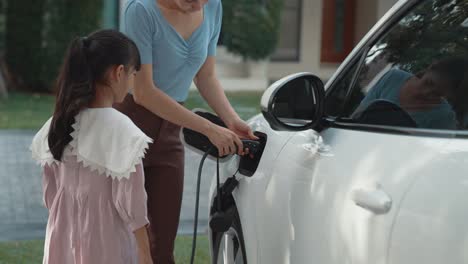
237	171
197	199
195	225
217	185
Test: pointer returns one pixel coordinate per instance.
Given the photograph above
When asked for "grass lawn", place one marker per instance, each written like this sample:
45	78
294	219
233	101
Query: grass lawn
25	111
30	111
30	252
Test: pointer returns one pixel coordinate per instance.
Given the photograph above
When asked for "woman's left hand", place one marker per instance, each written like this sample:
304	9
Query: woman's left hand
241	128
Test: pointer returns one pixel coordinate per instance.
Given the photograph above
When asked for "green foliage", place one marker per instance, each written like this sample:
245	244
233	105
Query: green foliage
23	41
38	34
432	31
2	24
250	27
65	20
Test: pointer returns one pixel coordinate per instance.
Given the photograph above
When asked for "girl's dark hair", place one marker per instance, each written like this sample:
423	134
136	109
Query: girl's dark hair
455	71
86	63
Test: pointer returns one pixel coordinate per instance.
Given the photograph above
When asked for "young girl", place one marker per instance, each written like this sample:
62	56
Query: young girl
91	157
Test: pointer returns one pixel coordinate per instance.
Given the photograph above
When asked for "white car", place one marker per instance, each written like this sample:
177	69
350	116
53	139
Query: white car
371	167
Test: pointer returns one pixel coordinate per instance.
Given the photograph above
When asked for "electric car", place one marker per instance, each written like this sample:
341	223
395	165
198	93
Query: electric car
371	167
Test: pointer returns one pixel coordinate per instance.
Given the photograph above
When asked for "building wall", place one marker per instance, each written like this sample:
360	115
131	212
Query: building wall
122	4
110	17
384	6
311	31
367	14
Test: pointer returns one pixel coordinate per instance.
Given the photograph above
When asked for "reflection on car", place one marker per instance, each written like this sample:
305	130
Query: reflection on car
429	97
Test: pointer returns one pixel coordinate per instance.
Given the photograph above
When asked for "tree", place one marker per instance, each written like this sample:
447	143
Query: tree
251	27
23	42
3	86
65	20
37	35
433	30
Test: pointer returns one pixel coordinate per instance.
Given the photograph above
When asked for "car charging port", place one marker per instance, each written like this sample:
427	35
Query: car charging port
249	164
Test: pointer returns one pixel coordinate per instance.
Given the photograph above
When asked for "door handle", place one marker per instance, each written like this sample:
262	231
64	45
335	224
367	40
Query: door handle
374	200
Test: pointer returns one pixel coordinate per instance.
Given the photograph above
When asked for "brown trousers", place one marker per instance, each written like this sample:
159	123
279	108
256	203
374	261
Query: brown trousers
164	178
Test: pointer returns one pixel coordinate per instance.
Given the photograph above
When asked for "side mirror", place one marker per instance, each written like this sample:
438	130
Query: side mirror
294	103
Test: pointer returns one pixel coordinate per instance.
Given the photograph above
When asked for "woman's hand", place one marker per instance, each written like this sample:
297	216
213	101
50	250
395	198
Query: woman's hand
226	141
241	129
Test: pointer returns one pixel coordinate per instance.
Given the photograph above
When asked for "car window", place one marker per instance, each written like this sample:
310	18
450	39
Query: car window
416	75
336	98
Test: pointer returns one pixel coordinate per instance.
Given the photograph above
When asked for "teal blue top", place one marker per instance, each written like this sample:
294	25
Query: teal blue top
175	60
388	87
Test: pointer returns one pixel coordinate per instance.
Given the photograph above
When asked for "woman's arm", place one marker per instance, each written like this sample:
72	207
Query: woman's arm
146	94
211	90
210	87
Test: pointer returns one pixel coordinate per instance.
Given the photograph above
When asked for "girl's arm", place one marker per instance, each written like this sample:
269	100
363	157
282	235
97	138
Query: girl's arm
130	200
144	253
49	185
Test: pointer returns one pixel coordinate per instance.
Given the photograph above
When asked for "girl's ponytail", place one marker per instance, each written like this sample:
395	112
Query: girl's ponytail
75	91
86	63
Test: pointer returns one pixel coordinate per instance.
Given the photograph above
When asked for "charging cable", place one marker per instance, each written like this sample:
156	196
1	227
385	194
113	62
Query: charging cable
232	185
197	200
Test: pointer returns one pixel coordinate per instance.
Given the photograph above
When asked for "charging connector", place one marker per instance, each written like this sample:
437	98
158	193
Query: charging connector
221	218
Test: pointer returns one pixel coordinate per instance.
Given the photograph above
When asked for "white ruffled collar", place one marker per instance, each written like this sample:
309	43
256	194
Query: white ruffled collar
104	140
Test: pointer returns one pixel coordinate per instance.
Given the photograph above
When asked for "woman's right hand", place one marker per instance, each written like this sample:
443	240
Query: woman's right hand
226	141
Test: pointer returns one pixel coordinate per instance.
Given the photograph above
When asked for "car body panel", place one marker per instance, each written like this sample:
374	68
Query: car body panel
309	195
435	211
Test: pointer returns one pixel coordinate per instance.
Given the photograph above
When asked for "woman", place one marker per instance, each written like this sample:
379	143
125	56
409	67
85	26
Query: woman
177	42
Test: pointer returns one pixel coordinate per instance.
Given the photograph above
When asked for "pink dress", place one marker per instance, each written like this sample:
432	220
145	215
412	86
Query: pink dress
96	194
91	216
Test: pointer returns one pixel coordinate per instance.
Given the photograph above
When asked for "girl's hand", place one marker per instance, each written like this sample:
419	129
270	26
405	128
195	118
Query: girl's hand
226	141
144	253
144	258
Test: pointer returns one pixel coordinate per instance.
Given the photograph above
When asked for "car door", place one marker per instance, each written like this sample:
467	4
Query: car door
334	195
431	226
